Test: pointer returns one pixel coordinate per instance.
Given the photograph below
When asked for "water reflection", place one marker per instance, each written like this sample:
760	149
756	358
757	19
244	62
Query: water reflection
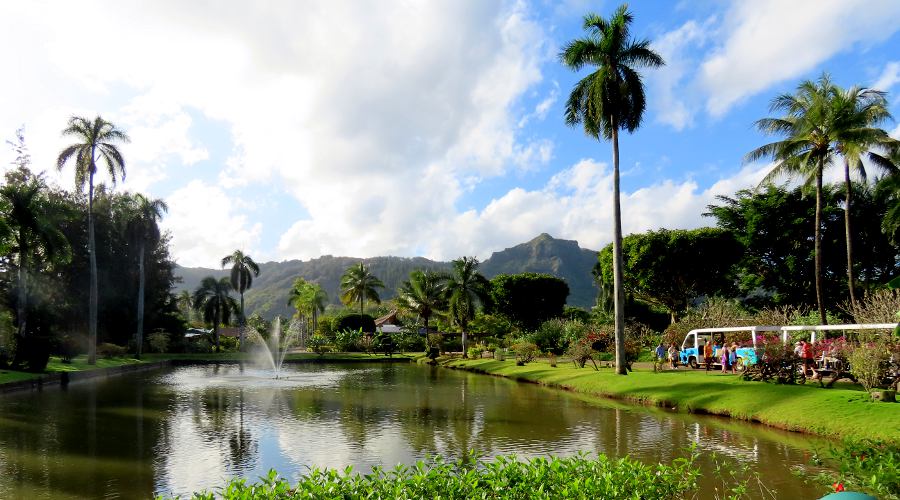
193	427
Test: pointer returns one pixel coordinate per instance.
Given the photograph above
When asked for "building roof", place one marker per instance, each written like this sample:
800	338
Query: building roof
388	319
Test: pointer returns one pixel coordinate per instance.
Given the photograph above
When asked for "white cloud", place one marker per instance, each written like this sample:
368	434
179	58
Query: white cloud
205	226
769	41
577	204
669	100
889	77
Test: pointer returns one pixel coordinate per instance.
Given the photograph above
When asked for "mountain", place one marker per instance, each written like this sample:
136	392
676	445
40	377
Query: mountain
544	254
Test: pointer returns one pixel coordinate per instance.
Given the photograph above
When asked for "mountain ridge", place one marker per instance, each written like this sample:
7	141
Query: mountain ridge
542	254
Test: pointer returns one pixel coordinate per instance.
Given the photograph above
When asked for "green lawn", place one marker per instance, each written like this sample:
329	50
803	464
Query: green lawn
844	412
9	376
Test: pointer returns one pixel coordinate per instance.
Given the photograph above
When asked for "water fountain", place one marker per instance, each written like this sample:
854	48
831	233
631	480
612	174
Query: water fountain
272	351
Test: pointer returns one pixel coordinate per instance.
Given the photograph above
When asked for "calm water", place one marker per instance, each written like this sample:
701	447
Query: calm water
179	430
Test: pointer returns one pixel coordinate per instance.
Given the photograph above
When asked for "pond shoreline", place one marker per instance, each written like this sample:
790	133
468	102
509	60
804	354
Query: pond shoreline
830	413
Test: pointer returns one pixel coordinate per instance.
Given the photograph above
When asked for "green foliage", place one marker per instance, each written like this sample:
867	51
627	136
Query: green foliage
671	267
362	322
493	325
409	339
328	326
868	363
158	341
107	350
229	344
69	347
868	466
358	284
348	340
200	346
774	226
500	478
317	344
525	352
528	299
551	336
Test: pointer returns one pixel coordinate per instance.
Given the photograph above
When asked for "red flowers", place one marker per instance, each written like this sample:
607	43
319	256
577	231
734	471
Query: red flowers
838	487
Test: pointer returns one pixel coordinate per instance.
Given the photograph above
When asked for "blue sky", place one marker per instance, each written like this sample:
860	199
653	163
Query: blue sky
434	128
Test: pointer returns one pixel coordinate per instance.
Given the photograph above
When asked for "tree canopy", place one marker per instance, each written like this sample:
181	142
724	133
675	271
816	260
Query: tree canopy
528	299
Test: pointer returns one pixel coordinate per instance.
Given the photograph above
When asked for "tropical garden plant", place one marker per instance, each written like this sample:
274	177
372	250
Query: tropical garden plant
144	213
96	140
467	289
214	301
243	269
606	101
358	284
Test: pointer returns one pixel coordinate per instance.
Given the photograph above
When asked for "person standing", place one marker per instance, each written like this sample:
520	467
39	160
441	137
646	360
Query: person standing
673	356
660	352
725	358
708	354
732	358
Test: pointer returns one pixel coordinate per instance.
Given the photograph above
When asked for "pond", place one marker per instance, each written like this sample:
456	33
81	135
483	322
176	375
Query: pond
187	428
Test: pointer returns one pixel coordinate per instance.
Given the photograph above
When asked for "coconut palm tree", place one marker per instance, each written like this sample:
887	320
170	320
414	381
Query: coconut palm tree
359	284
186	304
466	289
144	228
309	299
888	189
243	269
610	99
808	127
29	218
858	113
96	140
213	300
424	294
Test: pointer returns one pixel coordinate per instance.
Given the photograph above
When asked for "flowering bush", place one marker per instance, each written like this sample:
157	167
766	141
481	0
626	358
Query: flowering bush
525	352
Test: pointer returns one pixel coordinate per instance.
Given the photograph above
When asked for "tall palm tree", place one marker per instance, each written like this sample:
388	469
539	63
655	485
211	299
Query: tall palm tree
808	127
858	113
243	269
308	298
359	284
608	100
144	228
213	300
424	294
96	140
186	304
466	289
888	189
30	220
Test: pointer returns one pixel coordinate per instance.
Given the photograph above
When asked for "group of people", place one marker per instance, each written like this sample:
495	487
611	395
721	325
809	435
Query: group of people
726	356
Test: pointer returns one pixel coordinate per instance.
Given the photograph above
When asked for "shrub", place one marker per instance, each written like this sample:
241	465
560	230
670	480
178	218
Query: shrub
525	352
581	352
500	478
228	344
202	346
774	361
158	342
366	343
317	344
868	363
453	345
551	336
435	340
476	352
327	327
879	306
107	350
69	347
362	322
384	342
347	340
410	340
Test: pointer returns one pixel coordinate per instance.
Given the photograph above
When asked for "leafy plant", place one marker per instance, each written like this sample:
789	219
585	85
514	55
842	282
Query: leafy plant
525	352
551	336
107	350
348	340
317	344
868	363
158	341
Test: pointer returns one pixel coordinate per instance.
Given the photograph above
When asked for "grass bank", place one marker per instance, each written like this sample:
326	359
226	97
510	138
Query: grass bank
80	363
844	413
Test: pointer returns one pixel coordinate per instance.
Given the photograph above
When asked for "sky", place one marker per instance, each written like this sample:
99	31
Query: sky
427	128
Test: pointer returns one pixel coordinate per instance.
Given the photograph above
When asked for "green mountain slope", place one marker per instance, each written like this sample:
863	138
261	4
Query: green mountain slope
544	254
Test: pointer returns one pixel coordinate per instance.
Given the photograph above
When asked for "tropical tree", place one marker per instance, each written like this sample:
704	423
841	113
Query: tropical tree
610	99
424	294
185	304
809	127
96	140
466	290
358	284
213	300
29	218
308	299
143	227
858	111
243	269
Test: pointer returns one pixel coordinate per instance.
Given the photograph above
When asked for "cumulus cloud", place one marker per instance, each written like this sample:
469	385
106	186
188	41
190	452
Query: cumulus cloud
769	41
205	226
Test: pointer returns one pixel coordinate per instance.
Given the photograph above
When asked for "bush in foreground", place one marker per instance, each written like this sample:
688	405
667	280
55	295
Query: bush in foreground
500	478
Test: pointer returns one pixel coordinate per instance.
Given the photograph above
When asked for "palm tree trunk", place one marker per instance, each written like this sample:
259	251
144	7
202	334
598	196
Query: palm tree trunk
851	283
465	353
22	306
216	329
243	323
818	244
92	252
618	291
139	338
